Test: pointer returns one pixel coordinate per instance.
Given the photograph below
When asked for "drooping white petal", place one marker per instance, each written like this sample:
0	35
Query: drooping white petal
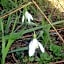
31	51
32	47
35	43
28	16
29	20
41	47
23	19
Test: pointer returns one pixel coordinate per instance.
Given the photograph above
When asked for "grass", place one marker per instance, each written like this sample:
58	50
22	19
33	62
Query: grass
12	29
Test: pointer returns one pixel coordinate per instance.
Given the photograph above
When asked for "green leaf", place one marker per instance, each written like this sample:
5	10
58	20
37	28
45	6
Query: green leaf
4	2
31	59
46	35
55	49
45	58
18	49
8	24
3	41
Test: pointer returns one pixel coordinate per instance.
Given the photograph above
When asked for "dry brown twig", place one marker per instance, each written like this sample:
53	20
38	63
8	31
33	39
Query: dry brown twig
57	29
14	56
58	62
47	20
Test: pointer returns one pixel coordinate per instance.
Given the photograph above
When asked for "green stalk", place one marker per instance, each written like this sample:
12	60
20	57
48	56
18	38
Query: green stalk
3	42
10	41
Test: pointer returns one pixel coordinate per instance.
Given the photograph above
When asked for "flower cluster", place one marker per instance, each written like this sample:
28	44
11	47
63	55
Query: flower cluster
34	44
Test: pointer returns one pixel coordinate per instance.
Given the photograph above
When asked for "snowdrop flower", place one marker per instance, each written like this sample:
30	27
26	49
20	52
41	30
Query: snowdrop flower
27	16
33	45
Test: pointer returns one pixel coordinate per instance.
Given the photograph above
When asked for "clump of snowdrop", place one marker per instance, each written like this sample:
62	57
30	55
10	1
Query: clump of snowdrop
27	16
33	45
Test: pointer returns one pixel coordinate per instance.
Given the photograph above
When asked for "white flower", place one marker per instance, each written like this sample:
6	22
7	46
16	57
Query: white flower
27	16
33	45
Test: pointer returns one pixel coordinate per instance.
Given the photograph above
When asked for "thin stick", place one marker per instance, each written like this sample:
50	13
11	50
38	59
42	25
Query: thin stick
47	19
62	61
13	11
57	29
